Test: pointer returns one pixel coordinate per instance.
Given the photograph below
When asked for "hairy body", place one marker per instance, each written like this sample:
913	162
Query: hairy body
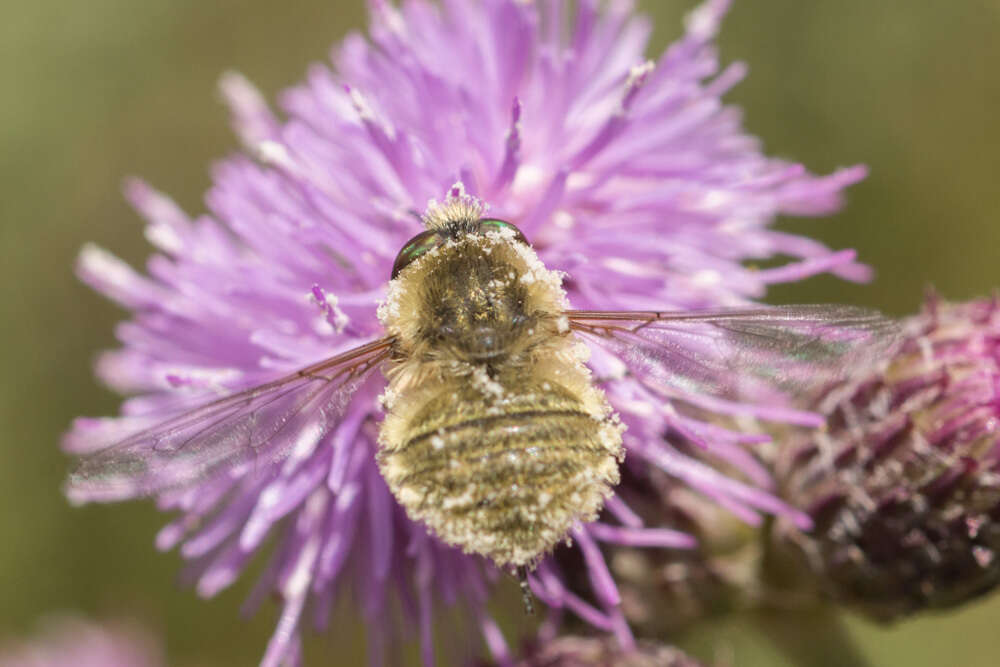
494	437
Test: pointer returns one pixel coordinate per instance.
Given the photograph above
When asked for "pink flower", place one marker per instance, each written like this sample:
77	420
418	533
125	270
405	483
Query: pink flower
73	642
627	174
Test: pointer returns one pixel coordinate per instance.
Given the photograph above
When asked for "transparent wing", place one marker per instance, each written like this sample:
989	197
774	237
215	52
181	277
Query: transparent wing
236	432
742	353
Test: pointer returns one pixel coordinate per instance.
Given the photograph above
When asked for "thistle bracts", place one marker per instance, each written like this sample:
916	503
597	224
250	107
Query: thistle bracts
903	485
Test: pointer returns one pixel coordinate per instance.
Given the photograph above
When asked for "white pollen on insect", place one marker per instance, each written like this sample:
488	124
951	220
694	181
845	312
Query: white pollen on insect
485	384
388	310
581	352
408	496
437	442
458	205
562	324
502	233
387	398
458	501
535	272
610	436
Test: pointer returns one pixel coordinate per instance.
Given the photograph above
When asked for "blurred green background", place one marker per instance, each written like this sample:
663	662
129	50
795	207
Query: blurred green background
96	91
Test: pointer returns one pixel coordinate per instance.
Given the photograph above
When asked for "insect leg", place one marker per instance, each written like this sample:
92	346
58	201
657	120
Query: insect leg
522	575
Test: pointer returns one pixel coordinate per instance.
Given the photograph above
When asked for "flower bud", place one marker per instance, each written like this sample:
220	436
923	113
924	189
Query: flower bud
903	485
665	591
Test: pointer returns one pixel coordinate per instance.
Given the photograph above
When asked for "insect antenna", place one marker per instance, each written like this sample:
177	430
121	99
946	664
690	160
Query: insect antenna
522	576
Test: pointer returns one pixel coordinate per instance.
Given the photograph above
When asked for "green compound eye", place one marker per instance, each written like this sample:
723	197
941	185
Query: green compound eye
415	247
493	224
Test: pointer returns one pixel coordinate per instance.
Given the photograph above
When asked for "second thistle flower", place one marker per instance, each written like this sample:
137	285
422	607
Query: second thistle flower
904	486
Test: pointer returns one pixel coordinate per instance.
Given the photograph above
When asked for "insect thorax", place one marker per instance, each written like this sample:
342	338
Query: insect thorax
479	299
494	435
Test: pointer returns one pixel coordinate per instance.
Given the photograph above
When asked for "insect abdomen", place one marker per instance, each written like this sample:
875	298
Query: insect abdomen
503	473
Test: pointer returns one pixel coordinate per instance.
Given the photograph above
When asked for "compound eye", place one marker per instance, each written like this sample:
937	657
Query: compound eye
415	247
493	224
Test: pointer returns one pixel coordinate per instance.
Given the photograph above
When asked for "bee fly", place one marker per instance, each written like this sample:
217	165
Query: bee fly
496	436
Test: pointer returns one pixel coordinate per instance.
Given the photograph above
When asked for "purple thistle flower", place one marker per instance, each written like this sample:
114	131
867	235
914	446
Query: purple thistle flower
904	485
627	174
665	593
73	642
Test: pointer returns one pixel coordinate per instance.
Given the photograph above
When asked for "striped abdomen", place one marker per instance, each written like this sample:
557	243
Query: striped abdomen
502	467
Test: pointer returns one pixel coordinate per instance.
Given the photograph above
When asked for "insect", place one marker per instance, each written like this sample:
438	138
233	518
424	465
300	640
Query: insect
496	436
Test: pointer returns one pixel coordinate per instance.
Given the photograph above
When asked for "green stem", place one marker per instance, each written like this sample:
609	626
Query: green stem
810	637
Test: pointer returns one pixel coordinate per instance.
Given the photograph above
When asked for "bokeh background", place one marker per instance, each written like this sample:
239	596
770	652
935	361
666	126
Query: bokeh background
93	92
